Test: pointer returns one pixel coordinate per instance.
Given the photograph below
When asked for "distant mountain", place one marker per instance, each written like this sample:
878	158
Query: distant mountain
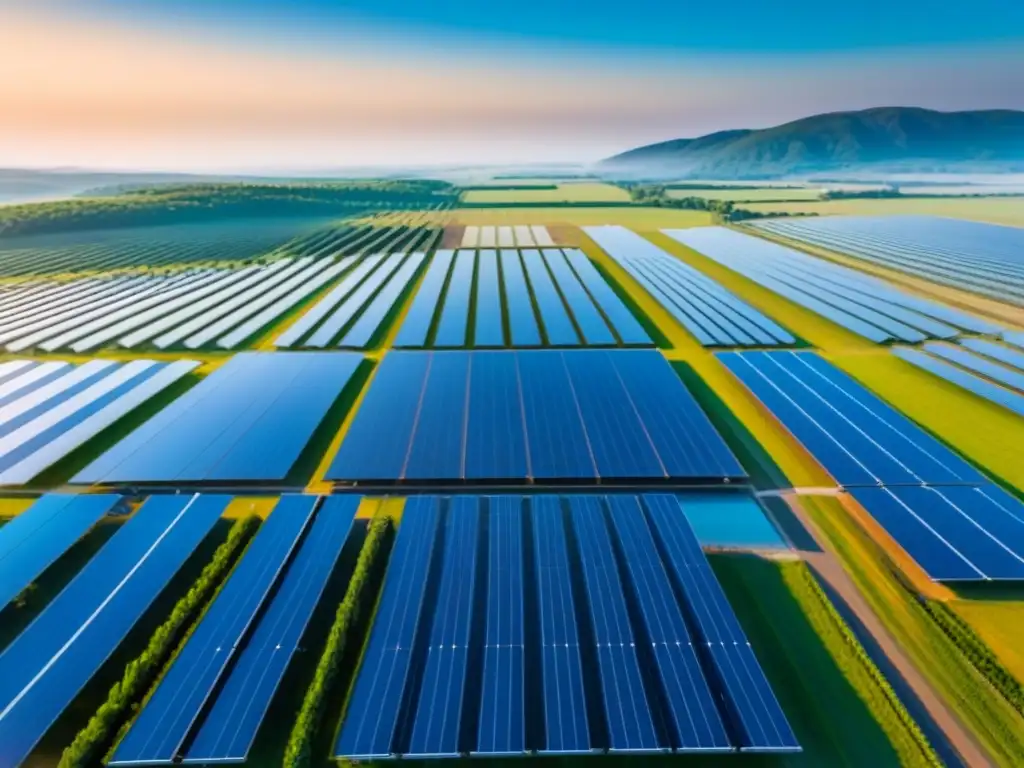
885	139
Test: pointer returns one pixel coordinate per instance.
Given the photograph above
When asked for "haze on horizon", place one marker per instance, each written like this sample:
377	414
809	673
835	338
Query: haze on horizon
269	86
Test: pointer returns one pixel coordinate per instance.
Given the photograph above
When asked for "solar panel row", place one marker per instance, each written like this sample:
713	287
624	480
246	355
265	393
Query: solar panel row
543	415
225	429
939	509
862	304
712	314
49	410
33	540
523	236
220	650
983	258
412	695
46	666
351	314
522	298
191	309
991	381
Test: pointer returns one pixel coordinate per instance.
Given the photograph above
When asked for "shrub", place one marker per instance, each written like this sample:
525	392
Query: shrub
93	740
300	742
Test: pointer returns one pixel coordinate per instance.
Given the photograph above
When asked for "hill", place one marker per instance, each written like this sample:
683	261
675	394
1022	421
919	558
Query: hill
885	139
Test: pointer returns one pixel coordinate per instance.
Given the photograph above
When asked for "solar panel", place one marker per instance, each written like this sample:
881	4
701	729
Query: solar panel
557	325
541	235
625	324
524	236
327	304
502	718
858	438
227	429
488	330
999	352
521	321
471	237
592	325
376	700
994	393
452	328
354	302
755	712
416	325
506	237
33	540
977	364
694	721
229	729
565	710
435	729
159	733
46	666
531	415
629	717
363	330
954	533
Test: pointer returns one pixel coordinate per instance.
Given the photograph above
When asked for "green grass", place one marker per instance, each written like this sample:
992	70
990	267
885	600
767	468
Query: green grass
995	724
996	210
1000	623
574	192
749	194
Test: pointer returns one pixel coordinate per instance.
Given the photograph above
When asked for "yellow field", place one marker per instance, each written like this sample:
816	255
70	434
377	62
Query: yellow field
243	506
997	210
765	194
1001	625
633	216
574	192
12	507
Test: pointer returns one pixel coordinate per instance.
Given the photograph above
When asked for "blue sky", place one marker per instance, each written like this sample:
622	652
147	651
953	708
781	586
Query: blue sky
269	85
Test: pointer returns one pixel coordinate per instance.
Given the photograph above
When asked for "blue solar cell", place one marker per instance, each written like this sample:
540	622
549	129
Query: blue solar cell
625	324
629	717
355	301
453	326
488	330
693	718
377	442
558	445
995	351
496	432
359	335
416	326
557	325
521	320
963	379
620	444
227	428
565	715
502	719
43	670
435	731
592	325
853	434
161	729
376	701
755	712
685	440
1016	339
230	728
998	373
33	540
439	440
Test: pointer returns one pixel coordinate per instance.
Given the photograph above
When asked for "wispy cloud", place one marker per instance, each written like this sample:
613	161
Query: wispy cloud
79	90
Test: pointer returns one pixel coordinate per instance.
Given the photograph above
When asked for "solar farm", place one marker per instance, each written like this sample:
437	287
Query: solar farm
419	484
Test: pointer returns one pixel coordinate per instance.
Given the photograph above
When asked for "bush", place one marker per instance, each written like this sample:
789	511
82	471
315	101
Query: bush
93	740
977	652
300	742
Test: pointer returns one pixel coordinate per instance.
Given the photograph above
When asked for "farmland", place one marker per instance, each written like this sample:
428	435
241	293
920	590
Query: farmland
994	210
830	681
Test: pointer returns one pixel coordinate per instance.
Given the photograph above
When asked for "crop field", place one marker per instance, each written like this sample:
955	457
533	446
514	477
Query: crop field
999	621
749	194
575	192
994	210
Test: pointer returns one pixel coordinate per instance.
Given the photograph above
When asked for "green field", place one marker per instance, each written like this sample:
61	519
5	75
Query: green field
574	192
749	194
995	210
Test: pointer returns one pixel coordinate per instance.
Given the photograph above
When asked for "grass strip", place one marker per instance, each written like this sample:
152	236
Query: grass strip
300	743
899	726
93	740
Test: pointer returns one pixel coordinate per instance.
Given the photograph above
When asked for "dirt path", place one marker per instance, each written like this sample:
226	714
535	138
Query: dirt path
831	572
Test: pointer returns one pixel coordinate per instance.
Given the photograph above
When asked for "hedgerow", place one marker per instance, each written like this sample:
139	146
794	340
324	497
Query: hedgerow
977	652
95	738
300	742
